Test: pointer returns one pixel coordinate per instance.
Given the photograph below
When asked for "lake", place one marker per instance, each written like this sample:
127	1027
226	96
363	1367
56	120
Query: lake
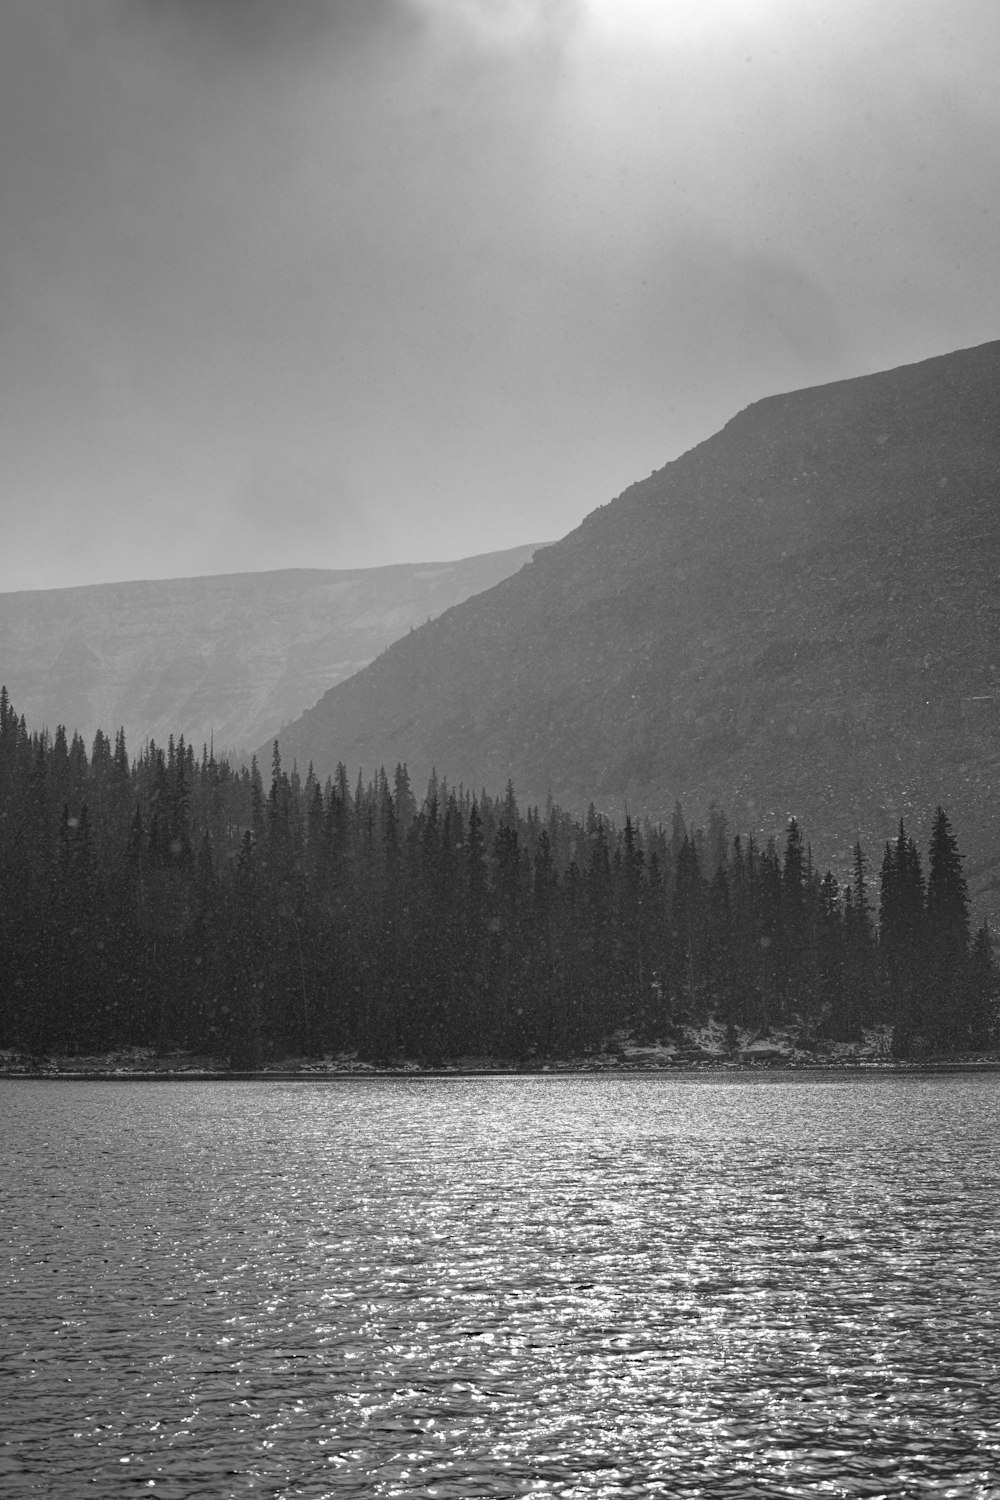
706	1285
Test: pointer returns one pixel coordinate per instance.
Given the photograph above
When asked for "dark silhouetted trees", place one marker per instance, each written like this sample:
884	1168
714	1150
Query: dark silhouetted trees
175	901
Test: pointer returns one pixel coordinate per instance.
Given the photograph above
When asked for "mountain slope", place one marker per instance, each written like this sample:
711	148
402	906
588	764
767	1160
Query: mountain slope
233	656
800	615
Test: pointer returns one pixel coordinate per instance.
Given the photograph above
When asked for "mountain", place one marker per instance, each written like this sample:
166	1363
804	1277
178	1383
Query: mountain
799	616
231	657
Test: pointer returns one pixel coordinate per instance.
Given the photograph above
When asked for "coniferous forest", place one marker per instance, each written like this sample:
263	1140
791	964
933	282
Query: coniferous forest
174	901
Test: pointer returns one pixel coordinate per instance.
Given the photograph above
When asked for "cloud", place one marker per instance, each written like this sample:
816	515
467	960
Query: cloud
457	269
238	29
503	27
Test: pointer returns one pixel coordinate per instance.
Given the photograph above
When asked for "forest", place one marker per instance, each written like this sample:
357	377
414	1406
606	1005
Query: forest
172	900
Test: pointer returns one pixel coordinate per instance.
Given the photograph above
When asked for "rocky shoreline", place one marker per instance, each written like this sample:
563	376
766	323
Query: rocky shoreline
708	1049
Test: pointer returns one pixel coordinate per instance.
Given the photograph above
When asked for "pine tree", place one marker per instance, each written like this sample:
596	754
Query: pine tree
902	910
981	997
857	1007
689	914
947	894
859	891
947	939
403	797
258	818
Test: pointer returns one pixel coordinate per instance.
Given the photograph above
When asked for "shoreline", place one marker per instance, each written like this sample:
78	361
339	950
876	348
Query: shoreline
721	1068
701	1051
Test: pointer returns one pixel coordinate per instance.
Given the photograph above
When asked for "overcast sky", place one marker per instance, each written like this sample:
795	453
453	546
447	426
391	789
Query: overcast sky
345	282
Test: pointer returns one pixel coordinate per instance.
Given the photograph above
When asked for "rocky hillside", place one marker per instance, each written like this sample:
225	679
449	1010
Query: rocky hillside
800	615
233	657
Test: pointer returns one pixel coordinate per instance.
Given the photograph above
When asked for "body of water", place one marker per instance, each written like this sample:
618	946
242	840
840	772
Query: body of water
568	1286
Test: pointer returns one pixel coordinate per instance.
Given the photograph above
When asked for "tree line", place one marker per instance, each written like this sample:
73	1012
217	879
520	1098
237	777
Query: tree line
177	901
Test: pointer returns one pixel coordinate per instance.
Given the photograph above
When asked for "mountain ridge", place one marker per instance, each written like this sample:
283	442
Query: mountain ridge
231	656
796	616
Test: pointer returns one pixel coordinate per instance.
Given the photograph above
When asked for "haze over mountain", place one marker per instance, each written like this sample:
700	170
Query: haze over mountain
345	283
231	657
801	616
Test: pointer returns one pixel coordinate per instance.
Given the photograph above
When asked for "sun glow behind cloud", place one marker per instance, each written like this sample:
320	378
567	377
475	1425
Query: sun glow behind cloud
668	21
364	283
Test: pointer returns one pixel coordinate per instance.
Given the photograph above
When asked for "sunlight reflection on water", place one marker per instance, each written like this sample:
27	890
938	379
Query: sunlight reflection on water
563	1286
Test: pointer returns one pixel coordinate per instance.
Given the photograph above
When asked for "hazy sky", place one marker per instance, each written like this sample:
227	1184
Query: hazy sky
345	282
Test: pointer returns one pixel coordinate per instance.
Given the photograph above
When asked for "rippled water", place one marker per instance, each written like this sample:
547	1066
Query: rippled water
559	1286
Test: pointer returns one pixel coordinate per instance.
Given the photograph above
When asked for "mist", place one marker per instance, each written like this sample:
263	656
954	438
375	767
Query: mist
339	285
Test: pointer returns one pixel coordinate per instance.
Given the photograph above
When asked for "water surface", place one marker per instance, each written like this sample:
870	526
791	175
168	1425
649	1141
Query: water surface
497	1287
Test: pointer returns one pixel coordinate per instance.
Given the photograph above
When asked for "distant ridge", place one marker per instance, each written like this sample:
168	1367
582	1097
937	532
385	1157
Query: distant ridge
800	615
232	656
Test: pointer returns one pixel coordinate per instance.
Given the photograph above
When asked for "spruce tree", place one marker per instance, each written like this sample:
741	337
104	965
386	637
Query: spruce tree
902	904
947	939
947	894
981	996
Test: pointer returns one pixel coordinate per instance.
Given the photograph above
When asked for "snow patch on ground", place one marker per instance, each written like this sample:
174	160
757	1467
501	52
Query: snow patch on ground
708	1045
